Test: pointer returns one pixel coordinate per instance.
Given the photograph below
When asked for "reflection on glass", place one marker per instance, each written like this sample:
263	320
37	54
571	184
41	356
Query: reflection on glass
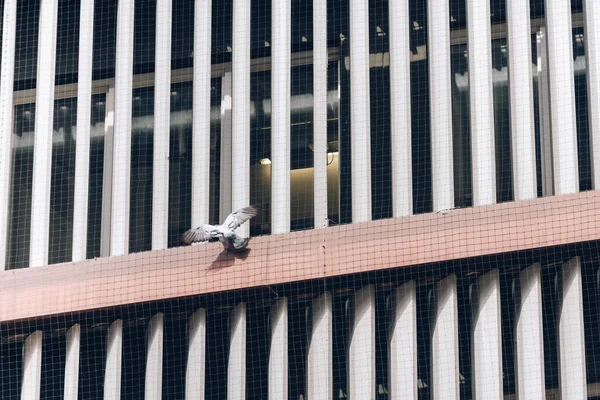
105	39
421	137
19	224
221	35
498	11
458	14
67	42
182	33
260	22
381	156
301	149
62	181
333	153
581	108
142	136
302	18
302	155
419	100
27	43
96	176
504	181
260	151
536	113
461	136
144	37
180	158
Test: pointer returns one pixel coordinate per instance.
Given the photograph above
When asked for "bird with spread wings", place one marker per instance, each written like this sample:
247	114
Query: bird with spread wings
223	233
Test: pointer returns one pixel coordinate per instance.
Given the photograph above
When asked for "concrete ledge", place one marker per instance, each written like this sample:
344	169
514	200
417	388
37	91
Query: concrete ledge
347	249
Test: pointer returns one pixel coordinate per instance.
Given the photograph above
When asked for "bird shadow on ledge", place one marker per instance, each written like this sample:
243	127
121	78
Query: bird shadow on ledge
227	259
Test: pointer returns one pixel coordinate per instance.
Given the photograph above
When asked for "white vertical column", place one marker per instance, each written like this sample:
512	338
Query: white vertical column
107	174
236	365
44	117
319	375
530	339
32	367
562	96
482	102
162	125
114	352
360	110
591	13
84	111
522	122
487	339
119	243
9	26
281	46
225	167
403	344
201	113
196	361
320	62
240	110
154	358
440	104
444	343
278	356
573	383
361	355
72	363
400	113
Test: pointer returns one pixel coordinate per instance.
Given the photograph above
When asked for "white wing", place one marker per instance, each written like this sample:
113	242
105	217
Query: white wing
237	218
200	234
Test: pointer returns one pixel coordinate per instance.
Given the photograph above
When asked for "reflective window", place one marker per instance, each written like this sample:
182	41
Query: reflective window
105	39
67	41
180	158
260	151
27	44
504	181
378	26
379	74
536	8
144	36
222	20
62	181
142	147
96	181
381	156
498	11
419	104
302	27
536	110
182	33
19	224
302	155
458	14
461	135
260	22
581	107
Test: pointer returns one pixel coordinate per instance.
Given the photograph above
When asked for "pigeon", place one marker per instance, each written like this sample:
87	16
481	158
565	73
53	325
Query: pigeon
223	233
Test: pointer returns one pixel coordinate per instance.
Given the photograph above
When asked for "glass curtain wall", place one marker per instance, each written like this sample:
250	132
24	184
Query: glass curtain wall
97	151
142	147
19	224
62	181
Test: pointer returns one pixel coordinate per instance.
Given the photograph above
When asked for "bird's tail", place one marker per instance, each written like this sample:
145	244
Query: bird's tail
239	242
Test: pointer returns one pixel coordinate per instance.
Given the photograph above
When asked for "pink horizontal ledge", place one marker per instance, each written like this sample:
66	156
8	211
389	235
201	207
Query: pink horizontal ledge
339	250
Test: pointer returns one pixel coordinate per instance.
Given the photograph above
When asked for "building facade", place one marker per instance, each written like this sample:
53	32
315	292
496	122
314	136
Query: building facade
426	173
